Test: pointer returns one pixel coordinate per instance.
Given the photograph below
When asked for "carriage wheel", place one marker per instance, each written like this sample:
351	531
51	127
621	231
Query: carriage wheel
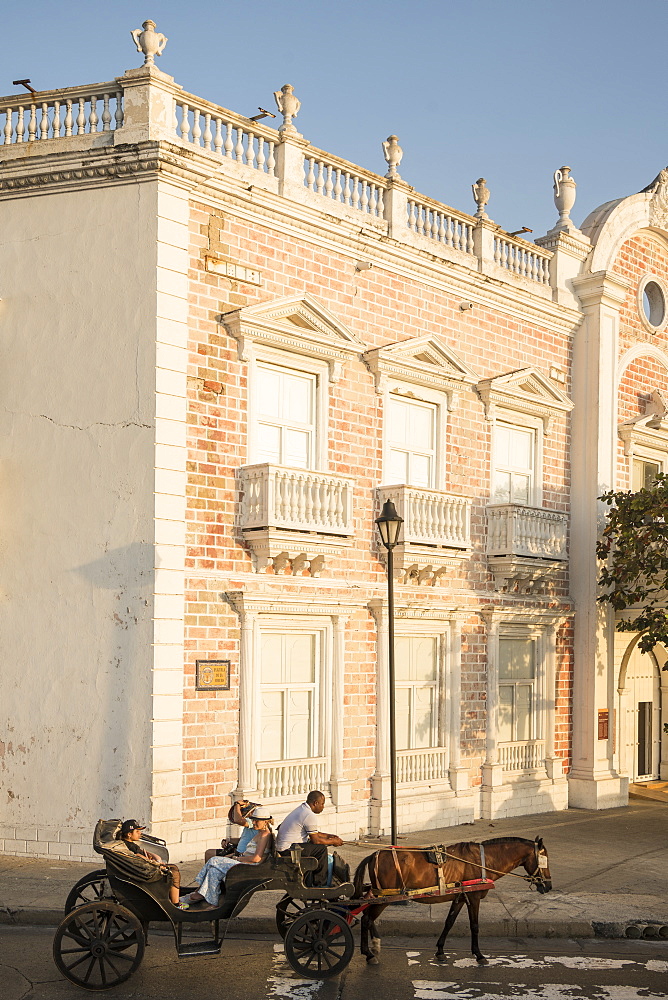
89	889
287	910
319	944
99	945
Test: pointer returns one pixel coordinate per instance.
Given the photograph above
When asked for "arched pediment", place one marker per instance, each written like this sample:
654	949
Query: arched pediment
612	224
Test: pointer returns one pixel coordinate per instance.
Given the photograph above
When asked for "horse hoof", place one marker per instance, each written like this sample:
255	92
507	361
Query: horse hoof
372	960
482	960
441	959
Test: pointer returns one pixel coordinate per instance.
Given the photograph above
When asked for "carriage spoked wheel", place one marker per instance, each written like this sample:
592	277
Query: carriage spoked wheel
287	910
89	889
99	945
319	944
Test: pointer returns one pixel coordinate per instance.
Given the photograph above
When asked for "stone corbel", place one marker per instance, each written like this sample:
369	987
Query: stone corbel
335	369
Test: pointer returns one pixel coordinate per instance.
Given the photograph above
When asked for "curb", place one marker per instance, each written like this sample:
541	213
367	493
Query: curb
506	928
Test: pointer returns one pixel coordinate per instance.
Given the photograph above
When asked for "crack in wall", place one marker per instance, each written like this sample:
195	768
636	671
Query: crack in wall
76	427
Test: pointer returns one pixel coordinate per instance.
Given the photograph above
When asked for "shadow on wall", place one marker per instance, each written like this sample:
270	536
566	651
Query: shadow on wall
117	683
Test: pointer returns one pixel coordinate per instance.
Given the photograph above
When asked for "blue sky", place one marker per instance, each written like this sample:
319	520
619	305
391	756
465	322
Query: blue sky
510	91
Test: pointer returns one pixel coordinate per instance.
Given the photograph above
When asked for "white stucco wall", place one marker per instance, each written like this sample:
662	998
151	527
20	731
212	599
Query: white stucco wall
77	349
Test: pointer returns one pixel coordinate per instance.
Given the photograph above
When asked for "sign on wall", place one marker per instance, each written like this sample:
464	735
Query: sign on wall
212	675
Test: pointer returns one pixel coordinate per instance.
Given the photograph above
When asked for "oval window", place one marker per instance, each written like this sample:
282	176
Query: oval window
652	303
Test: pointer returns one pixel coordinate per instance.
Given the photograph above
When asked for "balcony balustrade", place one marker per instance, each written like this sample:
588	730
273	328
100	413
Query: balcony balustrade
295	516
526	546
527	756
430	764
436	532
282	778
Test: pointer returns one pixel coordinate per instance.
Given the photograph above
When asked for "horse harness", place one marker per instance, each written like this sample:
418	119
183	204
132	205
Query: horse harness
438	856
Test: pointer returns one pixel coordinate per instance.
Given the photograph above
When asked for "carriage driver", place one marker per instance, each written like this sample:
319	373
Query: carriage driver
129	833
301	828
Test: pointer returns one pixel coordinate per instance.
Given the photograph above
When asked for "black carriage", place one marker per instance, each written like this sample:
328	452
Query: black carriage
100	941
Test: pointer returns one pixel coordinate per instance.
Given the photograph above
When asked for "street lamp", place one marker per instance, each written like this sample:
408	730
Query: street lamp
389	525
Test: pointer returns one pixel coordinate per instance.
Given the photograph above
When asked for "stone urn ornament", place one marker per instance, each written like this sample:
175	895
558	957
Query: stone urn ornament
564	198
289	106
149	41
393	154
481	197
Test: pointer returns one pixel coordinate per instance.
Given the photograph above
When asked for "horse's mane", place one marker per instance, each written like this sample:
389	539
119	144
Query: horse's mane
507	840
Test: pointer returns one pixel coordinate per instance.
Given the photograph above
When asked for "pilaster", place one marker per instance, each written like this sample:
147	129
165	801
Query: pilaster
148	106
569	251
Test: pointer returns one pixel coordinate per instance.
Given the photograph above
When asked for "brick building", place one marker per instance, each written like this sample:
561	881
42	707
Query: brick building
222	350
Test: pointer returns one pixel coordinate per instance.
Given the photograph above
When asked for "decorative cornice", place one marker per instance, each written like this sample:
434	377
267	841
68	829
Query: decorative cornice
604	288
525	391
427	360
243	603
302	325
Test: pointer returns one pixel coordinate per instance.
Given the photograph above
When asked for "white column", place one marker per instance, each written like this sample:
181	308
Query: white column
340	787
552	762
458	775
593	781
492	772
380	782
247	685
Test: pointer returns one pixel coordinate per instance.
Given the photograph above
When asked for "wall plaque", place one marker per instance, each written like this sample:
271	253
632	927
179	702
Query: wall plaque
212	675
603	724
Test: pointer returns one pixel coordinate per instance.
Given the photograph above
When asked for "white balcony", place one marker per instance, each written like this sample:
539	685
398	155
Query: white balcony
295	517
526	546
283	778
436	533
527	756
430	764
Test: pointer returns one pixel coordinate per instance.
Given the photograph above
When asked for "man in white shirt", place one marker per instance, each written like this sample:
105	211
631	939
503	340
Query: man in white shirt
301	827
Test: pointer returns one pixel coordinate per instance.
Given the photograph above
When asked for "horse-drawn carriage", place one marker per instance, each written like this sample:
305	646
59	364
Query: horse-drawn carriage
101	940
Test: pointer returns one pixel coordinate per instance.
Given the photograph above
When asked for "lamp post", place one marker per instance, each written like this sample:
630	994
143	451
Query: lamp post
389	525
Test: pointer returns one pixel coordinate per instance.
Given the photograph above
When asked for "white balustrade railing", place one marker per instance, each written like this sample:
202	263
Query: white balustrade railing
278	497
422	765
62	113
220	131
431	517
441	224
513	529
344	183
524	259
529	756
281	778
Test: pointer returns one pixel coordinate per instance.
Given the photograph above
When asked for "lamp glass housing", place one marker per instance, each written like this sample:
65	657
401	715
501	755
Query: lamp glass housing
389	525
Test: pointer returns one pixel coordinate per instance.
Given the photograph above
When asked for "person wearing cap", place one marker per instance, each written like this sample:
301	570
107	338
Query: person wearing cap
211	877
301	828
130	832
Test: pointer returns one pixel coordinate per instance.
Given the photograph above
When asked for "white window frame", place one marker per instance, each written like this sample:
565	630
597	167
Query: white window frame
319	693
523	421
440	699
539	707
298	363
644	454
419	394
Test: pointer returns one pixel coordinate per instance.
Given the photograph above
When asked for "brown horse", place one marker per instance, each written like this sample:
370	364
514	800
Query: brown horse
466	861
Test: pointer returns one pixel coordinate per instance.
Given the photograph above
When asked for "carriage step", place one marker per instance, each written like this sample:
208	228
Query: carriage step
199	948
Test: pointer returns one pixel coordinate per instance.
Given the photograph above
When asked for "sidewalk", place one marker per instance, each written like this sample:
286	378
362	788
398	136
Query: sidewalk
609	872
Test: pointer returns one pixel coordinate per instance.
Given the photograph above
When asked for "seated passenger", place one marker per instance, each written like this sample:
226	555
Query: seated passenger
130	833
301	828
211	877
240	813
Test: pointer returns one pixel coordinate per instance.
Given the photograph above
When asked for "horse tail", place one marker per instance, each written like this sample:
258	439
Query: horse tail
358	878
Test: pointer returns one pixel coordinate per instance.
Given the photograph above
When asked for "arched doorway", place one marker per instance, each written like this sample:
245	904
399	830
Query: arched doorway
640	709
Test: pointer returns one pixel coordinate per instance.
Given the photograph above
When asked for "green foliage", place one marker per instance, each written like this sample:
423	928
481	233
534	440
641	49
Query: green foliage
634	548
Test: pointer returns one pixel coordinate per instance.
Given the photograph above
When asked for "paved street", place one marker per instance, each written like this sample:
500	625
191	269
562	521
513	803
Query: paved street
540	970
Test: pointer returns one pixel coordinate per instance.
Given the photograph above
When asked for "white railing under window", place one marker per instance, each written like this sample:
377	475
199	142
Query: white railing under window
278	497
430	764
431	517
74	111
513	529
281	778
528	756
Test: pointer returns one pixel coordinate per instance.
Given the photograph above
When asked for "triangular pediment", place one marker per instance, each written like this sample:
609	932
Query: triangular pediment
527	390
301	325
427	360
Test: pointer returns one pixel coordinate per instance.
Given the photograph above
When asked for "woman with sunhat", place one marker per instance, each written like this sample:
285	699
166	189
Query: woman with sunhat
211	877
